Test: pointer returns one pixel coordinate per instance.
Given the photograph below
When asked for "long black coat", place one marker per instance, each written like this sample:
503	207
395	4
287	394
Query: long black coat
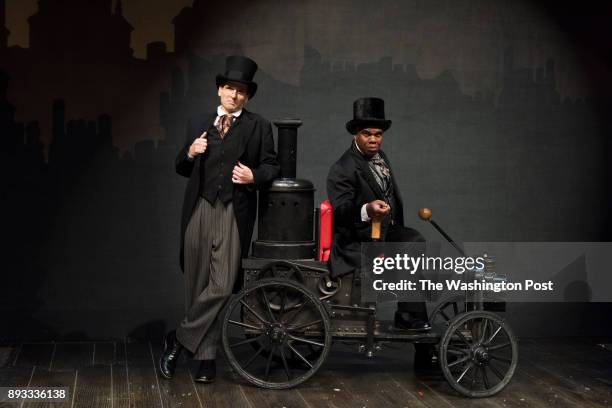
256	151
350	185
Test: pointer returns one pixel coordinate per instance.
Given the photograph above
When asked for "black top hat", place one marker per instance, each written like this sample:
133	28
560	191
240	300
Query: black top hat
239	69
368	112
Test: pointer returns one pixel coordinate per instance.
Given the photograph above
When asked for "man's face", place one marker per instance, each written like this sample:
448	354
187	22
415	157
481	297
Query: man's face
233	96
369	140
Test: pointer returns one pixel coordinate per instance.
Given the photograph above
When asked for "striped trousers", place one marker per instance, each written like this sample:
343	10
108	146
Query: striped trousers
212	262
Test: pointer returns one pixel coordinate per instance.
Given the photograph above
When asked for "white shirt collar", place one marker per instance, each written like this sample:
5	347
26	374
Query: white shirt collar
221	112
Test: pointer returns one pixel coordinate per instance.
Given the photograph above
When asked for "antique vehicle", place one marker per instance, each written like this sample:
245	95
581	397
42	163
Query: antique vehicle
278	330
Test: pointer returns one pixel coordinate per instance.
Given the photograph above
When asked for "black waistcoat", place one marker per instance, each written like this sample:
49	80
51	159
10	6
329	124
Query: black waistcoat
218	163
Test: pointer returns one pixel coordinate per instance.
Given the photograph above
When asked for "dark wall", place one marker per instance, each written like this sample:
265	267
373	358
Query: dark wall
500	125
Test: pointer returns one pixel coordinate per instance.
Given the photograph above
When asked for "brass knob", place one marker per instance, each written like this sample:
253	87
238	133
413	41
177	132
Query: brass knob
425	214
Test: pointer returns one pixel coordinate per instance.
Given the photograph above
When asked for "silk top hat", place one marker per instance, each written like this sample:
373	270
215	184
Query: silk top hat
239	69
368	112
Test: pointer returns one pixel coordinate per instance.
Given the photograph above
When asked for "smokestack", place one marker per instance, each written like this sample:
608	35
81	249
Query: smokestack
286	209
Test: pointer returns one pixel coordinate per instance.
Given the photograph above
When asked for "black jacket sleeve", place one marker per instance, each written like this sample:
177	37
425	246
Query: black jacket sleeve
183	164
342	185
268	168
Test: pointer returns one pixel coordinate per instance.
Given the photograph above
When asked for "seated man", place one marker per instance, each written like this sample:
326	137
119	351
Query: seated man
361	185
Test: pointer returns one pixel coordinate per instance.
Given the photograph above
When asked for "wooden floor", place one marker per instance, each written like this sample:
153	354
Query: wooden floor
551	372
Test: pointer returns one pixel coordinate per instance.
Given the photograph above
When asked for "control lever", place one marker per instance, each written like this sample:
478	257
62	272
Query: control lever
425	214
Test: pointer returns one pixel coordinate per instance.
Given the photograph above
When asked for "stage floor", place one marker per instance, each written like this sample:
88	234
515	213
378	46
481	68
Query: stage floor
559	372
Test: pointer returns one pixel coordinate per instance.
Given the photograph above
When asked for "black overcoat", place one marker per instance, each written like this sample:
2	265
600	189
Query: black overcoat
350	185
256	151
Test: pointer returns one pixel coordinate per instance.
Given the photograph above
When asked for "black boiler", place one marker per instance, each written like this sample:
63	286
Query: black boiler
286	209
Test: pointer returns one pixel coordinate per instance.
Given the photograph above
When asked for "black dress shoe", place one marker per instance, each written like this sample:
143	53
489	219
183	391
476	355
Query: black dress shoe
413	324
207	372
168	359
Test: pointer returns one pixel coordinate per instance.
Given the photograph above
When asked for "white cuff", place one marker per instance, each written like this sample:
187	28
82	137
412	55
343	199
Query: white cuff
364	214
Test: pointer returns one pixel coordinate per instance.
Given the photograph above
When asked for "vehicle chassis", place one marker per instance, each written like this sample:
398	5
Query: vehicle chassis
278	330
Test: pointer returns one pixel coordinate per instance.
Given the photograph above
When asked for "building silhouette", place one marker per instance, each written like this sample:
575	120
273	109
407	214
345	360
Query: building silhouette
80	29
4	32
80	52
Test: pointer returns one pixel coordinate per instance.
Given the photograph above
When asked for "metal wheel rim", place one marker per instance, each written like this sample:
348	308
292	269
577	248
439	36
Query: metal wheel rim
472	357
281	338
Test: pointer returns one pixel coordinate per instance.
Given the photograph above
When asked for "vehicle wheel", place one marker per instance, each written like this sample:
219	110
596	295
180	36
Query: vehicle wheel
478	354
282	335
452	306
447	309
280	270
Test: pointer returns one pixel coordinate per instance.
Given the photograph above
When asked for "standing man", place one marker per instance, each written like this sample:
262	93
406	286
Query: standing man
360	186
229	154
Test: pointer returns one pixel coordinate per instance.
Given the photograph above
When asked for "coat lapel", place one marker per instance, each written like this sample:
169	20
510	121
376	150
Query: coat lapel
393	181
205	124
242	128
366	173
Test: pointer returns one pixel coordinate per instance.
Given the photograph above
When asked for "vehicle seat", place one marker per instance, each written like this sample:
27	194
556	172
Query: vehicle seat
325	230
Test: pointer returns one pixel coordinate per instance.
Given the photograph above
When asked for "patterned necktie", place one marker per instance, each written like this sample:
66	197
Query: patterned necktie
381	173
225	122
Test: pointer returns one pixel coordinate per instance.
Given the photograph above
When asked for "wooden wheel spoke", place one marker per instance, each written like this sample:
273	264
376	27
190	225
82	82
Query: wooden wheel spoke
241	324
247	341
504	359
305	325
493	335
462	338
285	365
496	372
499	346
254	313
468	368
485	379
459	361
303	340
457	351
300	356
269	362
282	304
267	303
297	312
473	380
253	357
455	308
484	331
444	315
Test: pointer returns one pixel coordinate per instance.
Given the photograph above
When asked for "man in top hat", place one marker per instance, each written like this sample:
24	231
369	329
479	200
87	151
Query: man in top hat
361	186
229	154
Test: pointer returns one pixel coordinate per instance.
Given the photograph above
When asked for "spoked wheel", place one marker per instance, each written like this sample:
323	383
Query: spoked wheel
446	310
283	336
280	270
310	351
478	354
451	307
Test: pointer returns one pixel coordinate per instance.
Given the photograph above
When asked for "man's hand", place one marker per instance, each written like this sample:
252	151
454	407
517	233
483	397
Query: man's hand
242	174
198	146
377	208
